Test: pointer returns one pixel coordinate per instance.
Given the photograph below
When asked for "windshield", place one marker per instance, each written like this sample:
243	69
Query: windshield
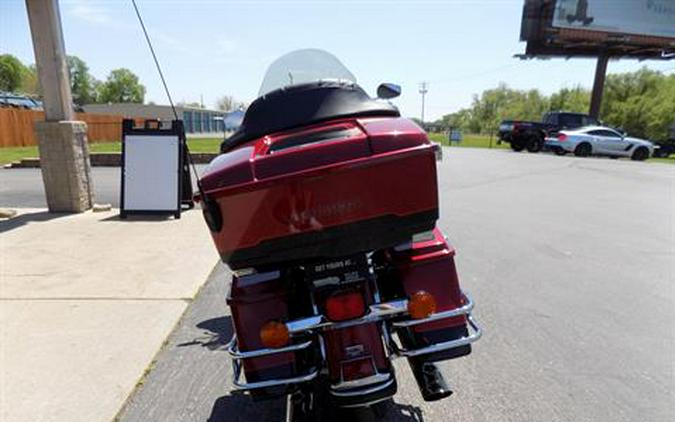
317	88
302	66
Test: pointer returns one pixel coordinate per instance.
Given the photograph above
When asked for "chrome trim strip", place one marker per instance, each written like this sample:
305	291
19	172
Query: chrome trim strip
299	326
243	272
446	345
368	403
377	312
361	382
234	351
362	391
322	345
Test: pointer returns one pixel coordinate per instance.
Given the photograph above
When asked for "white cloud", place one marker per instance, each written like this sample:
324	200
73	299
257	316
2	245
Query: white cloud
226	46
88	11
169	40
94	12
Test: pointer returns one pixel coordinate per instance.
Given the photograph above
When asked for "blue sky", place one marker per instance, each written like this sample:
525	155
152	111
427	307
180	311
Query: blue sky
213	48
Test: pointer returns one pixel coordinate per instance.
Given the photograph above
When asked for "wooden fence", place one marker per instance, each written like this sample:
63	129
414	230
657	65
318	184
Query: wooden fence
17	127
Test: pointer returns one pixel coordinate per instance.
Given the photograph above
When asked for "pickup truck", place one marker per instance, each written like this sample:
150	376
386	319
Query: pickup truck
666	147
530	135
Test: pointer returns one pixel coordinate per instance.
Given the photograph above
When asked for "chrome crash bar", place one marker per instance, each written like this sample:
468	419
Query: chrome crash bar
238	355
445	345
377	313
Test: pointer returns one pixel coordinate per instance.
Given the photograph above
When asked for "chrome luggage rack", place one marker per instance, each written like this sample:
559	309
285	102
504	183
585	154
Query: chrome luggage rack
378	312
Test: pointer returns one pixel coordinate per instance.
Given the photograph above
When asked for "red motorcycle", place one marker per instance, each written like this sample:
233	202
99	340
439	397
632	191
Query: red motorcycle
324	205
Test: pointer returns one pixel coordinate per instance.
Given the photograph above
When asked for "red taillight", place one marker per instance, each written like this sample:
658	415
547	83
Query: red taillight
343	306
562	137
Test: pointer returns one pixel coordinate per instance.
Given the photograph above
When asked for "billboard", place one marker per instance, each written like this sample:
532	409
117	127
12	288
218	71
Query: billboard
641	29
639	17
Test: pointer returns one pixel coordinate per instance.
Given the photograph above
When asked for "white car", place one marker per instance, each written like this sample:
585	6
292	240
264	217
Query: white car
599	140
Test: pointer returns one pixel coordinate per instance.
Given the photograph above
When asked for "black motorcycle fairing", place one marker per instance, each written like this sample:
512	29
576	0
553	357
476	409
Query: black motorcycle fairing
304	104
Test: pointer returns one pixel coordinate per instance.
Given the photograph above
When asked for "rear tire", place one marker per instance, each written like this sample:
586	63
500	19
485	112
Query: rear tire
517	145
534	143
640	154
308	404
374	413
584	149
382	409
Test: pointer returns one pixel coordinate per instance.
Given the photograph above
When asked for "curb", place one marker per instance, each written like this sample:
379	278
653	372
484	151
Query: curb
105	159
7	213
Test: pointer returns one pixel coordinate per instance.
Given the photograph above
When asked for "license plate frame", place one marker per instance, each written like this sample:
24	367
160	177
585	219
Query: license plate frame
338	271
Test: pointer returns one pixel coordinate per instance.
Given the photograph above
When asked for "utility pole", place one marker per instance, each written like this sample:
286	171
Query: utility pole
62	142
423	90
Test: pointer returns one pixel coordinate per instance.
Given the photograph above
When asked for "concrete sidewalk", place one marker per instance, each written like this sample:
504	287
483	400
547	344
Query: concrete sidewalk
86	302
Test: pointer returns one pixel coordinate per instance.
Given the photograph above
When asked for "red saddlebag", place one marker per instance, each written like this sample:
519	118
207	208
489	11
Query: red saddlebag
254	300
429	265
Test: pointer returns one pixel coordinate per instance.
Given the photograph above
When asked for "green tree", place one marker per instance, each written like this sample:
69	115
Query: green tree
575	99
82	84
121	86
229	103
417	121
641	102
500	103
459	120
662	111
12	72
30	84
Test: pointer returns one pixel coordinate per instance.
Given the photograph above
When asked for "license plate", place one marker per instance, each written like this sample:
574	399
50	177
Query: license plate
338	271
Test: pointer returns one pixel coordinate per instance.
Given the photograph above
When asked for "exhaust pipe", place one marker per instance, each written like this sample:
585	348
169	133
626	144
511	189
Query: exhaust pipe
430	380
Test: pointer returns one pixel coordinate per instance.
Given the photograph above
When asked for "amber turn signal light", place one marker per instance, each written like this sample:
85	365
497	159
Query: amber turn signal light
274	334
421	305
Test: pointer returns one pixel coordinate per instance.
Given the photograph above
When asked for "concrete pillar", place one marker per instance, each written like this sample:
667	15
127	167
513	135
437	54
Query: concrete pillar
64	153
64	160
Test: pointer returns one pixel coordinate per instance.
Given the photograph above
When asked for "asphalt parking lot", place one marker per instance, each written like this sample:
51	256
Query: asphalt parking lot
570	262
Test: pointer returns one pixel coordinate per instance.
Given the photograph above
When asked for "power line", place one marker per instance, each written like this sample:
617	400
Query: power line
154	56
168	94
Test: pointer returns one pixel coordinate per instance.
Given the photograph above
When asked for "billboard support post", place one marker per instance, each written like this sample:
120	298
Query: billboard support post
598	85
